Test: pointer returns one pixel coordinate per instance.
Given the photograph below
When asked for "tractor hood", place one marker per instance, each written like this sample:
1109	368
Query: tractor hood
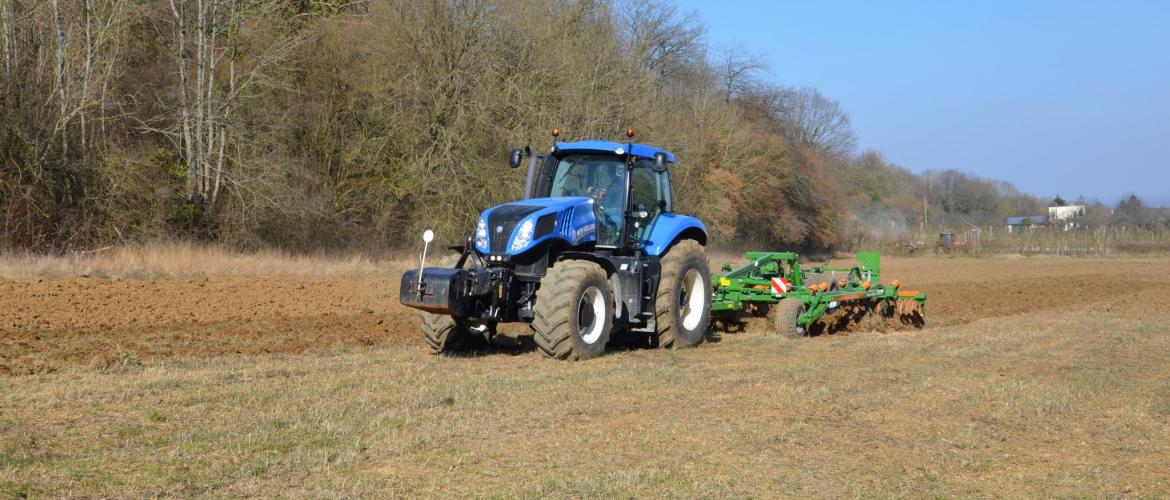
516	227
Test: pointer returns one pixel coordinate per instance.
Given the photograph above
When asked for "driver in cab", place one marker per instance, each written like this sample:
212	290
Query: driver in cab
608	191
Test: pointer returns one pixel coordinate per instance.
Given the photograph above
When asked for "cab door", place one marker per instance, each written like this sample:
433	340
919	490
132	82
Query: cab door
650	197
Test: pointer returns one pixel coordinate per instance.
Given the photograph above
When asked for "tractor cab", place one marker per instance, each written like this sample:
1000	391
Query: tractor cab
627	191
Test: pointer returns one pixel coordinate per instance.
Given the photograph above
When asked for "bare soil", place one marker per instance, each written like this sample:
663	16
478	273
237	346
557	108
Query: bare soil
1033	378
47	324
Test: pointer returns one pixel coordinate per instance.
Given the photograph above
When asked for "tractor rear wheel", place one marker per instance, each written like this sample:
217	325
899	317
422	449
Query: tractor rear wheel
443	333
573	316
683	305
784	316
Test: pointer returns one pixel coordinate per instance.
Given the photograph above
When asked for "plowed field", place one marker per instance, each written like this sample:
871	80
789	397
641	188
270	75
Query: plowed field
1033	378
49	324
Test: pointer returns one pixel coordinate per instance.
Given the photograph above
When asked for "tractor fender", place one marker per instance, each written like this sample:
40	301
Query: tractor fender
589	256
668	229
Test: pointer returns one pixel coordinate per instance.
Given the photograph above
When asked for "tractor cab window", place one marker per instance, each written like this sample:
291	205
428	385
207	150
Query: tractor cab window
602	178
651	190
650	197
594	176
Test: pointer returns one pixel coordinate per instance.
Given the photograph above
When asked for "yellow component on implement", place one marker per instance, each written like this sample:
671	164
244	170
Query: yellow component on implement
724	281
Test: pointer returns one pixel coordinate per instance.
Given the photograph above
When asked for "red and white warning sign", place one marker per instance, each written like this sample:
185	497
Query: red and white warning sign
780	286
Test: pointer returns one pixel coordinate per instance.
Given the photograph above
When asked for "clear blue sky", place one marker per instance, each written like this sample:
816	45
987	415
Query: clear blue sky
1056	97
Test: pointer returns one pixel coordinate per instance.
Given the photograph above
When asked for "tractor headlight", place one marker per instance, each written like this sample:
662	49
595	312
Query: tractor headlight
523	236
481	235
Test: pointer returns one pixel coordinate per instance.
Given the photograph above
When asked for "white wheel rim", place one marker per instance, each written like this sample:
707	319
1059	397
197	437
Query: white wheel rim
591	315
693	299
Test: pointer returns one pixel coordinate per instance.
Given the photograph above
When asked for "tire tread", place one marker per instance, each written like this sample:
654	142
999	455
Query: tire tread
665	328
552	315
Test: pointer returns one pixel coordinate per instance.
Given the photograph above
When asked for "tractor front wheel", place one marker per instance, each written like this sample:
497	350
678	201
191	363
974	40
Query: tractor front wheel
784	316
573	316
445	334
683	305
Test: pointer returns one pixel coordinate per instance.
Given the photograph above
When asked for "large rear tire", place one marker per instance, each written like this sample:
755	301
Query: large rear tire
573	316
683	305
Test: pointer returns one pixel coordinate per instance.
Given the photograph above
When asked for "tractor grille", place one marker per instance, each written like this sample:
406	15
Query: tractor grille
502	221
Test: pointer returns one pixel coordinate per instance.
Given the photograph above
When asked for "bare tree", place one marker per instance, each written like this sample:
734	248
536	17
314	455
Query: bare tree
737	70
664	40
62	79
6	22
1132	212
812	118
80	65
99	53
204	32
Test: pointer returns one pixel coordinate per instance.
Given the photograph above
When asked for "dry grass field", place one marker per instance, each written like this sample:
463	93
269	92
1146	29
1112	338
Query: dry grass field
1033	377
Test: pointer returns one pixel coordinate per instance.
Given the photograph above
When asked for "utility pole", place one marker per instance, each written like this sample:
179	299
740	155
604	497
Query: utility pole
925	217
925	197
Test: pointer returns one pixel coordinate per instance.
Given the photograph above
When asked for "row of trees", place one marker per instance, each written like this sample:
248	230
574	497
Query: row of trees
1131	213
356	124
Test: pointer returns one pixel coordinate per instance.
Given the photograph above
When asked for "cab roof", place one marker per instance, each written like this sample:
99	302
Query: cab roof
639	150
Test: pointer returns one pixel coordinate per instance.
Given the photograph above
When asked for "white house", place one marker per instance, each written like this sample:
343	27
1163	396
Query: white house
1066	217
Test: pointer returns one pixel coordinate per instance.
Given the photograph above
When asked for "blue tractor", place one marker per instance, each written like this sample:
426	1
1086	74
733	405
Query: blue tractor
595	249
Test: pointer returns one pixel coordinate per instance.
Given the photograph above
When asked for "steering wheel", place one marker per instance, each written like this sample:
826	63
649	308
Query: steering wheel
596	193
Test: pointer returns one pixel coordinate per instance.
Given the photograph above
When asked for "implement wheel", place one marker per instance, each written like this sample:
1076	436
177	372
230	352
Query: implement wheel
683	305
784	316
574	311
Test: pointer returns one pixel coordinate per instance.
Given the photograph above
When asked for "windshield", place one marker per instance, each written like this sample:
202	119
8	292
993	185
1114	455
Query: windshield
601	177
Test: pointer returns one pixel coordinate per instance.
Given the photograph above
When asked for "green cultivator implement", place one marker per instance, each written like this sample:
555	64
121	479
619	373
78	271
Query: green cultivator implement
774	283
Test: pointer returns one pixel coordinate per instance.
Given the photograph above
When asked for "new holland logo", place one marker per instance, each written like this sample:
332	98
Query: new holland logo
582	232
499	229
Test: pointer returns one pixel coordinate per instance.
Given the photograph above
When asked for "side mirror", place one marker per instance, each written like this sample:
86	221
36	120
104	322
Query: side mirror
514	158
659	162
